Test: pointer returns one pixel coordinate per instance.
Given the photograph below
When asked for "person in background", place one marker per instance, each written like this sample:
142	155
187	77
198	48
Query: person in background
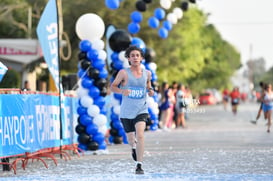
172	100
235	99
174	116
225	95
261	84
26	86
164	106
180	106
267	99
134	83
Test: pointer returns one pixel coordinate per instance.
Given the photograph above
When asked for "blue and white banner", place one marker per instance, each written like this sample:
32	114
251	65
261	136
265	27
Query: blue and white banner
3	70
47	31
30	122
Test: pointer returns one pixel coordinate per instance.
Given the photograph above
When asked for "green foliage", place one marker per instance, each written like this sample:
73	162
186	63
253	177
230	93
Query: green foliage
267	77
10	79
194	53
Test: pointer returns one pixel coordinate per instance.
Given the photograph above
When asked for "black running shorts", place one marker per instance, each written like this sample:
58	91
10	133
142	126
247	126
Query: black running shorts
129	124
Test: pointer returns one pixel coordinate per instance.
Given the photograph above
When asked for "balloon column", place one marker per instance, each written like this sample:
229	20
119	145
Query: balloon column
92	85
119	41
152	101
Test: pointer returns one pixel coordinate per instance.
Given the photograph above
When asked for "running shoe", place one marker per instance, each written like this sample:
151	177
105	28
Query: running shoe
253	122
139	170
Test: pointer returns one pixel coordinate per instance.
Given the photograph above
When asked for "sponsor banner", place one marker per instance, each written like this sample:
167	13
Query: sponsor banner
47	31
30	122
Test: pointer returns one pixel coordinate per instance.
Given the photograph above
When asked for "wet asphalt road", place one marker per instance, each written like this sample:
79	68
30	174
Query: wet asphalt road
216	146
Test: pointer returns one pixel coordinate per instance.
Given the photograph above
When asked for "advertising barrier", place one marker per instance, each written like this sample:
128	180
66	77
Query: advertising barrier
30	122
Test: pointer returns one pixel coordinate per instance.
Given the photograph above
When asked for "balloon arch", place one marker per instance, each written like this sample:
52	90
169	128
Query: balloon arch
98	108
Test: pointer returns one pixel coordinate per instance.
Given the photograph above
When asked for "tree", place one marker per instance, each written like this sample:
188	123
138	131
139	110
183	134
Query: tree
194	53
10	79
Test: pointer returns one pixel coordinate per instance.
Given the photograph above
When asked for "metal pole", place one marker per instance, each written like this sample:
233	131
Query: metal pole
58	5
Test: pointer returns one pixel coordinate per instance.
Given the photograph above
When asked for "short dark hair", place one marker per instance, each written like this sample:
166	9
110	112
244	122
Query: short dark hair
131	48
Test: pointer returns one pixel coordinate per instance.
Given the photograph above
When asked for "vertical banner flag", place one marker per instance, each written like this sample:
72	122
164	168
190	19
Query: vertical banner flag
3	70
47	31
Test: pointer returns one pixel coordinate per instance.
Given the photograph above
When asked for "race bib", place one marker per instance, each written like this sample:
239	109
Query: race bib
137	93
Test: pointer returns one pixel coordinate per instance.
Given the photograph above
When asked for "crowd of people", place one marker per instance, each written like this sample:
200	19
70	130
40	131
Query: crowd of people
173	103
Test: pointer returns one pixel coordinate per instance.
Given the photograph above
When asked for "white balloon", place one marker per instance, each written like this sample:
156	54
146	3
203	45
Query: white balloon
82	92
153	66
90	27
150	101
114	101
116	109
86	101
102	55
100	120
126	64
166	4
178	12
93	110
172	18
155	109
121	56
98	44
103	129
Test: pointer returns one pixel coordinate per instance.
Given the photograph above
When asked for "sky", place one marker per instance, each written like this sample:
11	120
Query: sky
246	24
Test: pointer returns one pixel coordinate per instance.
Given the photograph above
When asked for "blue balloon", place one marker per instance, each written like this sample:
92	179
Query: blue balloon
117	125
102	146
111	139
133	28
98	64
163	32
118	64
92	54
87	82
159	13
99	138
153	127
85	45
121	132
81	73
153	22
125	141
94	92
168	25
138	42
103	110
114	56
86	120
103	73
112	4
82	147
114	117
136	17
81	110
92	129
154	77
117	96
99	101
